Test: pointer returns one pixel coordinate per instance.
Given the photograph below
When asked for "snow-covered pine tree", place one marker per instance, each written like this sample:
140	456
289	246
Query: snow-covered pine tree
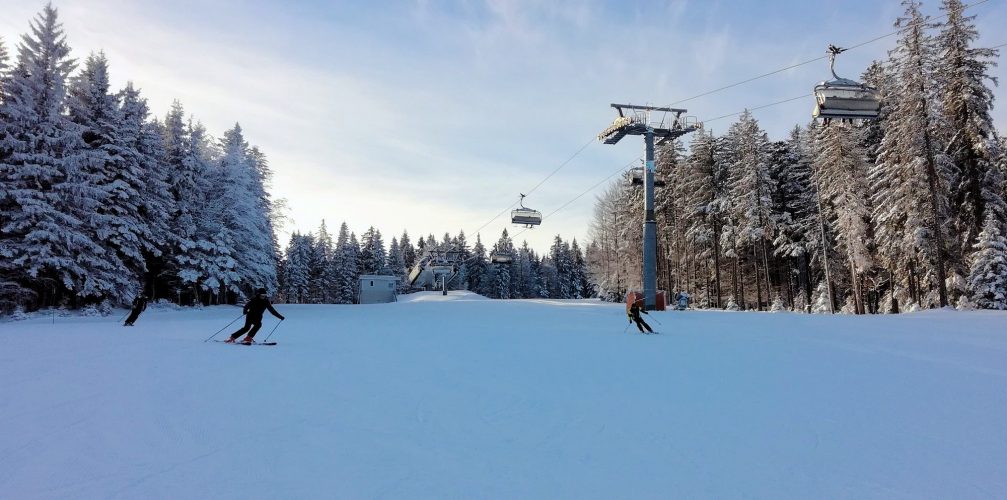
700	208
156	203
243	218
987	280
344	266
198	249
114	167
500	286
912	202
266	243
796	210
821	303
397	264
45	196
4	59
559	257
373	259
583	288
322	277
752	190
408	251
963	77
477	267
842	165
297	269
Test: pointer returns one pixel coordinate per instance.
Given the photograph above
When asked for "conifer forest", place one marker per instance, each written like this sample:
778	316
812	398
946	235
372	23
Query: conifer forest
102	198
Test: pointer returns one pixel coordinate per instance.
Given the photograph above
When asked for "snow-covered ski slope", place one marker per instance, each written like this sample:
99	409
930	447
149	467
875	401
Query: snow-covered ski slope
457	397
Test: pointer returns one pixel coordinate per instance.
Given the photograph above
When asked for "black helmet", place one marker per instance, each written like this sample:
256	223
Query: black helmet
261	291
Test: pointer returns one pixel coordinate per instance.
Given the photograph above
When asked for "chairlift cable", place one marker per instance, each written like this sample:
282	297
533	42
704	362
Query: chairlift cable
588	190
819	58
802	96
720	89
557	169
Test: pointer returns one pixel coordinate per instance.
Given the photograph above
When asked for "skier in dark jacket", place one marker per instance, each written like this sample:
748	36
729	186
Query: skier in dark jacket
253	317
634	315
139	305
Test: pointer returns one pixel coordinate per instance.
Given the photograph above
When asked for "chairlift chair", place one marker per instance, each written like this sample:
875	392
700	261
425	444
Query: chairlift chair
844	99
636	178
525	216
501	258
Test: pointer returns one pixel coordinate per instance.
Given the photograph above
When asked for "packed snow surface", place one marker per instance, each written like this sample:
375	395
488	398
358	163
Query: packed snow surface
458	397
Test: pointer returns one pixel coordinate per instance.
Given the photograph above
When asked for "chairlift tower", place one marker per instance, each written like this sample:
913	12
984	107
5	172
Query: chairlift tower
641	120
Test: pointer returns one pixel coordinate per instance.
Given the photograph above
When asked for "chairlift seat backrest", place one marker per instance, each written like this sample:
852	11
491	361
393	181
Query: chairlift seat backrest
846	99
526	216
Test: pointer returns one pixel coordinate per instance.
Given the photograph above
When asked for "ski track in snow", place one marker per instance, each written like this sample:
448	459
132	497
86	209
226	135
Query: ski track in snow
461	397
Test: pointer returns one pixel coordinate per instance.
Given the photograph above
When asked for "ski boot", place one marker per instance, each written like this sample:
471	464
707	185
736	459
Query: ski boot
230	340
247	341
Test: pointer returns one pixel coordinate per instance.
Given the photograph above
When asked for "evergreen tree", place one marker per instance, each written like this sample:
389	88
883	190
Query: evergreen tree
113	167
841	163
987	280
408	251
373	259
4	58
297	269
912	204
397	264
345	266
751	192
962	72
143	139
323	273
477	267
45	195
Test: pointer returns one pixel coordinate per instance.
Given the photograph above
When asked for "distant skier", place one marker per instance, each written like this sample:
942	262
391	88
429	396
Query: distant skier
683	300
253	317
139	305
634	315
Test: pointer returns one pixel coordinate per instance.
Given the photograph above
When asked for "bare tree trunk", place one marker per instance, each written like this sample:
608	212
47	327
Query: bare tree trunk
758	278
716	263
765	265
858	304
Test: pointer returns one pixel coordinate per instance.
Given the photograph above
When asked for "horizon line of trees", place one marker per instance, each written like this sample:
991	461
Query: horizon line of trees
902	213
100	201
316	269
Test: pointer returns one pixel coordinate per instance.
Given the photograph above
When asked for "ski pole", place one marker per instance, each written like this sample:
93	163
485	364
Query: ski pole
271	331
123	318
224	328
655	319
627	327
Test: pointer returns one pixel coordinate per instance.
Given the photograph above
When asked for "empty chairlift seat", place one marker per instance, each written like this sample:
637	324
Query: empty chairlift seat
844	99
501	258
847	100
525	216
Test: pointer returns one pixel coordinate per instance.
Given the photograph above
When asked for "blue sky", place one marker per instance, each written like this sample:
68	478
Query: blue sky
434	115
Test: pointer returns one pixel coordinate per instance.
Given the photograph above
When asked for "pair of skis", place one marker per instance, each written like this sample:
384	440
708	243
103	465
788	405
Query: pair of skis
242	343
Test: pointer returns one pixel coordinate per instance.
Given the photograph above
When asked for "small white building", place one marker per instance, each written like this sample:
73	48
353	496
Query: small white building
375	289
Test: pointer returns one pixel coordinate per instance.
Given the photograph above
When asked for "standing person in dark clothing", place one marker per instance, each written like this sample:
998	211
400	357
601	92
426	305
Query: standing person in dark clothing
634	315
253	317
139	305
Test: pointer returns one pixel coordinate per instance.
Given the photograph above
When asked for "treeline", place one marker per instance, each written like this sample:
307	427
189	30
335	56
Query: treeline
319	270
902	213
99	201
